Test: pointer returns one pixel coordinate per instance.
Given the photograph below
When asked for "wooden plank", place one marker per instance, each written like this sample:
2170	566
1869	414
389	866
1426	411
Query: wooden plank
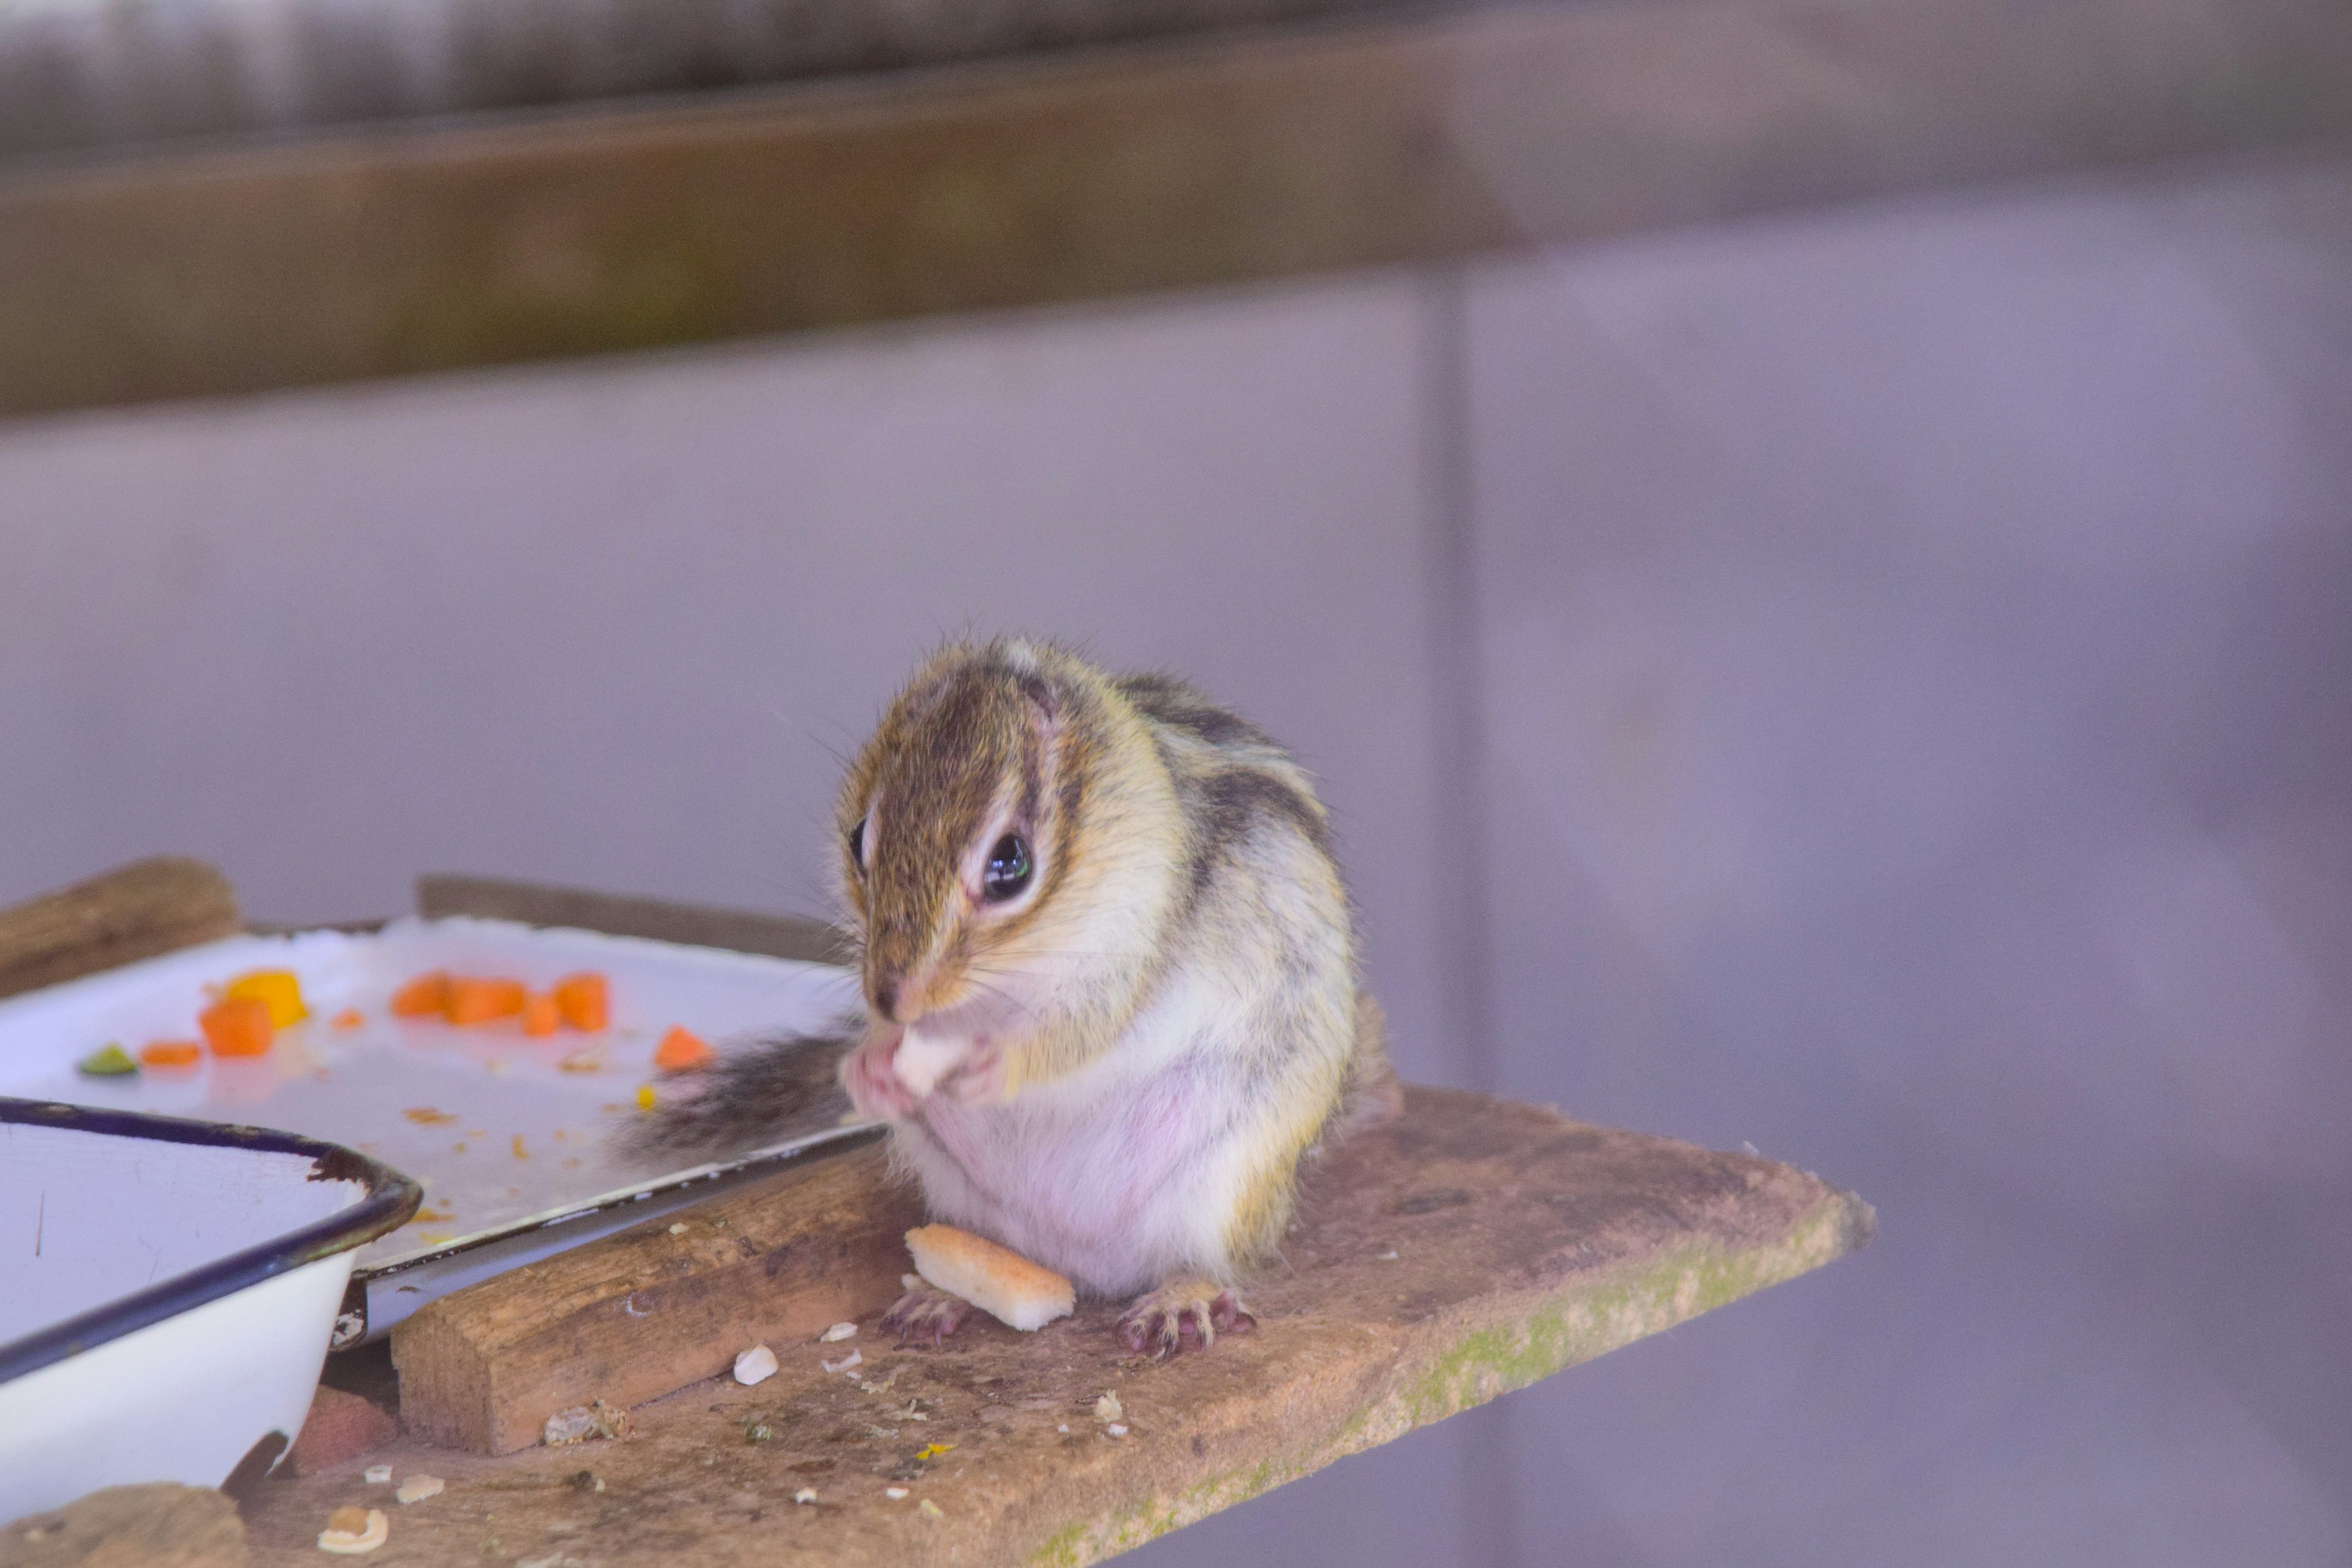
658	1306
700	925
135	911
1471	1248
1092	173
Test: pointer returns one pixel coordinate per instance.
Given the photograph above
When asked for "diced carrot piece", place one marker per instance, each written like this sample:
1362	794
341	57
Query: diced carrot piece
483	1001
171	1053
275	989
348	1018
425	996
539	1015
680	1050
584	1001
238	1026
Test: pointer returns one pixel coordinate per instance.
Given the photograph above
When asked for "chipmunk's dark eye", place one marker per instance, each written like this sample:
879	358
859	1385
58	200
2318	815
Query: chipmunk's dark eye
857	845
1007	871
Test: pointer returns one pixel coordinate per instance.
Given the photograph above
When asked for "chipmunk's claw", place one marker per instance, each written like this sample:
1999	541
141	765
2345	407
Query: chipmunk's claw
1184	1312
926	1312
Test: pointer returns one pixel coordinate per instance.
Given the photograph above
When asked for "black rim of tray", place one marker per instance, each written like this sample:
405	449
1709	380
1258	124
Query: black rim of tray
391	1199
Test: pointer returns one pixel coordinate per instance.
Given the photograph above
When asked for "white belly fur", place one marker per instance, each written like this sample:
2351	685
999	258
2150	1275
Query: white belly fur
1122	1174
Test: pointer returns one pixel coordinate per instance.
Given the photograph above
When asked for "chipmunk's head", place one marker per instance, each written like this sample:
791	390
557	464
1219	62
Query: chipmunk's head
999	835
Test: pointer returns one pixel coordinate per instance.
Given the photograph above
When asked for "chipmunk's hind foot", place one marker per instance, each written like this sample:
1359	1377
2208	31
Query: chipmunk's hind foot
925	1313
1182	1314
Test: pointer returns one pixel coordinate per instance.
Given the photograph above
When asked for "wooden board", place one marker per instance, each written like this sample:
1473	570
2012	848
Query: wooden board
1090	172
658	1306
1469	1250
619	914
133	912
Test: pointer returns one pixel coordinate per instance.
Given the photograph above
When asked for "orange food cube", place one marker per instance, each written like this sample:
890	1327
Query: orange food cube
680	1050
584	1001
425	996
539	1015
275	989
238	1026
171	1053
483	1001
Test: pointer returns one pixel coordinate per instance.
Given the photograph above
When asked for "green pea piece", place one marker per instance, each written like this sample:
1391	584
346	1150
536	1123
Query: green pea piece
110	1061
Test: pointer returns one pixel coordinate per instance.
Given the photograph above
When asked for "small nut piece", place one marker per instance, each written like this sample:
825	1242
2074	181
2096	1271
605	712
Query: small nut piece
838	1332
417	1489
1108	1408
755	1365
351	1531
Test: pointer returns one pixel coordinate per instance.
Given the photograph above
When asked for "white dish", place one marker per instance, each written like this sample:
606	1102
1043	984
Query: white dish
167	1292
516	1154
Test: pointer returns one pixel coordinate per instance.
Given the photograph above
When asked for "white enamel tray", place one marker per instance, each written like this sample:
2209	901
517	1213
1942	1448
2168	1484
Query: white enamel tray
167	1289
515	1151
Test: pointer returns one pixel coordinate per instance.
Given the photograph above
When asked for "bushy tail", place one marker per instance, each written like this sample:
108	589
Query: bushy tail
753	1096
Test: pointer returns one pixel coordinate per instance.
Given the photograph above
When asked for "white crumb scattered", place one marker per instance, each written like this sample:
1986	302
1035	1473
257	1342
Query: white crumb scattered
855	1357
1108	1408
894	1493
1064	1428
417	1489
929	1508
377	1475
1389	1257
804	1495
1116	1430
755	1365
678	1229
838	1332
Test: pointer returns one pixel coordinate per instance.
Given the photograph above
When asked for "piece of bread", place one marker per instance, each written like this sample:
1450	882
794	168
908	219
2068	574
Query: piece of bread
922	1060
1003	1284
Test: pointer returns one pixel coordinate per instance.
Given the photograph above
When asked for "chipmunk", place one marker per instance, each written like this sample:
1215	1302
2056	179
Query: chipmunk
1110	975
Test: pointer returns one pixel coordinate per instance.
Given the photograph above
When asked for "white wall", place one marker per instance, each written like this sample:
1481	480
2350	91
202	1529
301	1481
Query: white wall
1911	655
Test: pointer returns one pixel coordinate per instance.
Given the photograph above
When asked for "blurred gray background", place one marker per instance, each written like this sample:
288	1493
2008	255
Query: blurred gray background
1872	685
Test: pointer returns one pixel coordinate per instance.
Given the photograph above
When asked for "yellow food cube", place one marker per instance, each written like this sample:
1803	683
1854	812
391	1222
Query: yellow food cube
275	989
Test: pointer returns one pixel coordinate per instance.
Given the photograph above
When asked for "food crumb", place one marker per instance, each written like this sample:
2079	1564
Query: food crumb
930	1509
417	1489
934	1450
1108	1408
678	1229
804	1495
755	1365
520	1151
855	1357
1388	1257
425	1116
838	1332
377	1475
1116	1430
353	1530
894	1493
644	1097
1064	1428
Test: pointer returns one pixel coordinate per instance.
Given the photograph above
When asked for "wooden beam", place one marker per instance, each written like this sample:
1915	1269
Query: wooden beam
1096	173
135	911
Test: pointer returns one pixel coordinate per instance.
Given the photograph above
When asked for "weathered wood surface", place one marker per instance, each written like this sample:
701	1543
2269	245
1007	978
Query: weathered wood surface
133	912
698	925
1470	1249
1088	174
159	1525
655	1306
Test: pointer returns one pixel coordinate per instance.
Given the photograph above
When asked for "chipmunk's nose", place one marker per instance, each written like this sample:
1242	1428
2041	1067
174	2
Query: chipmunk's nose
885	998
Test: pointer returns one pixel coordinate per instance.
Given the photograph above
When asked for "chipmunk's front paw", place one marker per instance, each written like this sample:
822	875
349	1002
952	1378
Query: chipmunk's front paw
925	1313
1182	1313
869	1074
